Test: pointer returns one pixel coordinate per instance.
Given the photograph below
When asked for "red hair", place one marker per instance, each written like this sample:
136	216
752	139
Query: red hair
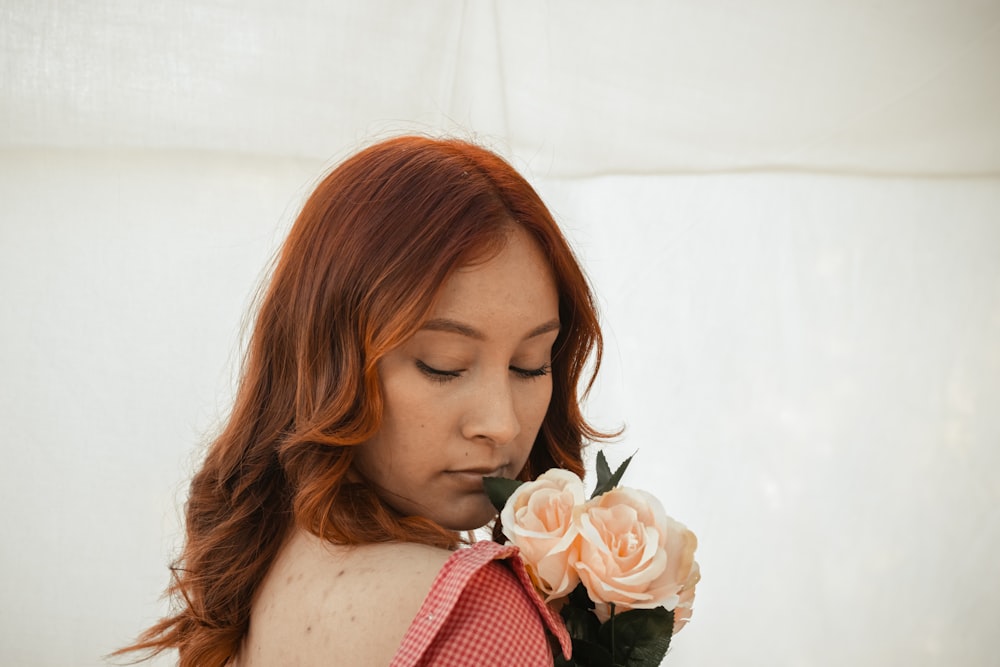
356	277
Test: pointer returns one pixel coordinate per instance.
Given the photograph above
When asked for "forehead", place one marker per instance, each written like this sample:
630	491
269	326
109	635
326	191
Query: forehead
517	279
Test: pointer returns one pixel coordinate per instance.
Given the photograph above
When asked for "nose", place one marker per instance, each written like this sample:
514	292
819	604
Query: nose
491	413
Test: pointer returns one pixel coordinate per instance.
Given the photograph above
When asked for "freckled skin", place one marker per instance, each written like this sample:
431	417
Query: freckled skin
322	618
455	402
456	407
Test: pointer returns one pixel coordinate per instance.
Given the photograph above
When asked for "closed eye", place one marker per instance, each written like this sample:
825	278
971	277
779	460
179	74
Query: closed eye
441	375
437	374
529	373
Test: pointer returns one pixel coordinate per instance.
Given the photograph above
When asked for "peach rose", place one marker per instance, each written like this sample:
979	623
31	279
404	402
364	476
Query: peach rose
635	556
538	519
682	612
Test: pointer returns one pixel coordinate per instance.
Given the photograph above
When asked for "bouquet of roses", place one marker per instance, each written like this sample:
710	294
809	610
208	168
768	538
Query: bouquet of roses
620	571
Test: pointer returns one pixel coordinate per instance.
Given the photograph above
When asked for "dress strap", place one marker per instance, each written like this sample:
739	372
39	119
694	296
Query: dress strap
474	603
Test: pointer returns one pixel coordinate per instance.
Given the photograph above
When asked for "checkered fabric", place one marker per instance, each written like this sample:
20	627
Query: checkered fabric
482	611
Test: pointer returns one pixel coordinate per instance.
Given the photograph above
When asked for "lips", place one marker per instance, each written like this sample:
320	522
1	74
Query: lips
485	472
471	479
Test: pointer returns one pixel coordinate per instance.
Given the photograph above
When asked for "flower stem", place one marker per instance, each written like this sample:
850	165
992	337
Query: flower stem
612	619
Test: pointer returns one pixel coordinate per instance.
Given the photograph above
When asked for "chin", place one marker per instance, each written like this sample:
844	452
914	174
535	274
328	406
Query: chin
472	520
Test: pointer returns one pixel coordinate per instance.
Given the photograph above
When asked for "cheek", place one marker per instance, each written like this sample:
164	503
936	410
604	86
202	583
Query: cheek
533	409
404	401
536	403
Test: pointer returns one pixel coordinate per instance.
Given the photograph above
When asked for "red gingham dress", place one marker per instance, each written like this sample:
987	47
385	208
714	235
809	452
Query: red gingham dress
482	611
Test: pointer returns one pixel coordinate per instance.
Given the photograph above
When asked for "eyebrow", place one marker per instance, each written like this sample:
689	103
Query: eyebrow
454	326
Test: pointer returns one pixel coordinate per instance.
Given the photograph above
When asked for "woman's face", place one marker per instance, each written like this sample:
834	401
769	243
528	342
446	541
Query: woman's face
466	395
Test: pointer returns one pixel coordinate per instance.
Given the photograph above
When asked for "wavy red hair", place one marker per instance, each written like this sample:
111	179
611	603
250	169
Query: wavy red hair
356	277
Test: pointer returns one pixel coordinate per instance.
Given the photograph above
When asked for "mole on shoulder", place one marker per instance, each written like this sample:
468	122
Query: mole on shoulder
309	629
340	574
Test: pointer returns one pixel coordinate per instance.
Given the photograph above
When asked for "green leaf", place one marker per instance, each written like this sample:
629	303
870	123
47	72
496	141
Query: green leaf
580	623
642	636
603	469
499	489
613	480
590	654
580	598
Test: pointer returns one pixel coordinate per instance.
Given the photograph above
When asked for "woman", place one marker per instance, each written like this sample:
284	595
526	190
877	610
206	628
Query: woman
426	325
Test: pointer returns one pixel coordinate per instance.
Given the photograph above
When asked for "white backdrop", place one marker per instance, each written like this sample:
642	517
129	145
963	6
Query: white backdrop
790	212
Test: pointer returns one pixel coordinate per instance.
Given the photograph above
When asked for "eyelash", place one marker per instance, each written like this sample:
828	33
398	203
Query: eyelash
437	375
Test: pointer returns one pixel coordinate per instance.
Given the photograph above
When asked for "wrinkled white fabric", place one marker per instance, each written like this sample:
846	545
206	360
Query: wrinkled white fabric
790	212
573	88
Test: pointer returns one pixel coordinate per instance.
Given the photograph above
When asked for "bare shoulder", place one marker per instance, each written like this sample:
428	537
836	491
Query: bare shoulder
349	605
